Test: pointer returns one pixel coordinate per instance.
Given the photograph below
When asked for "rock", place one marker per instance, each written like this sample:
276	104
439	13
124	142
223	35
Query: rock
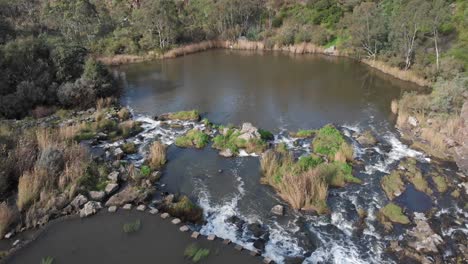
367	139
112	209
227	153
195	234
211	237
254	253
141	207
16	243
249	132
90	208
424	239
118	153
294	260
153	211
169	198
184	228
111	188
220	171
51	160
331	50
165	215
412	121
97	195
257	229
79	201
267	260
238	247
127	206
277	210
101	136
127	195
226	241
114	176
260	244
239	223
175	221
10	234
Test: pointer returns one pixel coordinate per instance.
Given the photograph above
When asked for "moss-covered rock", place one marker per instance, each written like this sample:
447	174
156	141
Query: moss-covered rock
395	214
393	185
440	183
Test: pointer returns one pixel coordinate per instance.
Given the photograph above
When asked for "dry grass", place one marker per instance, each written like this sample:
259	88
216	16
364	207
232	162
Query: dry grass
157	155
124	114
29	187
397	72
394	106
345	153
103	103
273	165
306	191
7	217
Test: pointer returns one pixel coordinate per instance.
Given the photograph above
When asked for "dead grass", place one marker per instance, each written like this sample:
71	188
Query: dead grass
103	103
7	217
397	72
305	191
157	155
345	153
29	187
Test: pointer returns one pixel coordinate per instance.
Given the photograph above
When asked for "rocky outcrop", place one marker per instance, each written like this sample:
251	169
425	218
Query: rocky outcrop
129	194
248	132
277	210
424	239
227	153
90	208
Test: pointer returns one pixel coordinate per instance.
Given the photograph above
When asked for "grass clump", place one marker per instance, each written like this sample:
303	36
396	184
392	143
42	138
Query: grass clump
132	227
186	210
328	141
94	178
230	140
392	185
47	260
129	148
266	135
184	115
195	253
193	138
145	170
157	155
440	183
303	133
7	217
394	213
124	114
338	174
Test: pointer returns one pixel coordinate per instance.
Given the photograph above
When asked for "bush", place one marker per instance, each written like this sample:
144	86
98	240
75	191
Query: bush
186	210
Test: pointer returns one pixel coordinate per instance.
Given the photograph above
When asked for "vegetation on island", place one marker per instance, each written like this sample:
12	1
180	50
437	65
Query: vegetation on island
193	138
393	213
304	182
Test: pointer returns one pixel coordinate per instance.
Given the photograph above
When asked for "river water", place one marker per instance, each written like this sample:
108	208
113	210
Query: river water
280	92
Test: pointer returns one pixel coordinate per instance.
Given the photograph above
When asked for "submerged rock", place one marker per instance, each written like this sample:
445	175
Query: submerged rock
278	210
257	230
260	244
367	139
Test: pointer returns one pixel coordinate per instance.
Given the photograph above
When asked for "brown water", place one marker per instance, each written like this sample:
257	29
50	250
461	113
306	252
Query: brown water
271	90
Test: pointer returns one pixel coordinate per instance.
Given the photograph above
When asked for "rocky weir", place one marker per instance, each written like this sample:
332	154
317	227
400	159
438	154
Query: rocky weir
373	221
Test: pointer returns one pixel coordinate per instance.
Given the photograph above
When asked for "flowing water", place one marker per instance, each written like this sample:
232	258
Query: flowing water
280	92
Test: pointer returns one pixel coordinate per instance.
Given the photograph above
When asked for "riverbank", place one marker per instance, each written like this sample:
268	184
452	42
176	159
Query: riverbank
156	240
302	48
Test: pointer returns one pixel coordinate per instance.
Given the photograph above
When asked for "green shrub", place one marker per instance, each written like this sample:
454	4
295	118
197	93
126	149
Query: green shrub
186	210
307	162
145	170
266	135
193	138
328	141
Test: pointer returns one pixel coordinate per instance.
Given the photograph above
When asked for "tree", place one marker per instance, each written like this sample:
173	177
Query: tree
438	14
367	28
407	22
158	20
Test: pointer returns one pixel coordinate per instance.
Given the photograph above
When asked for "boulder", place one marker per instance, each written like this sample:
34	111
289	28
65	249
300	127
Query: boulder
277	210
260	244
367	139
112	209
423	238
118	153
127	195
249	132
413	121
79	201
51	160
97	195
257	229
330	50
114	176
141	207
169	199
227	153
111	188
90	208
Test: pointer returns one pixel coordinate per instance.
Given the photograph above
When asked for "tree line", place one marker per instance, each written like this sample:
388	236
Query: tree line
425	36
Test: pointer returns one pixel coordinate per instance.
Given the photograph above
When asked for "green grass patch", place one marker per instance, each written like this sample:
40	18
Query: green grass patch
303	133
186	210
395	214
228	141
440	183
196	253
193	138
328	141
132	227
145	170
338	174
93	178
266	135
129	148
392	184
307	162
184	115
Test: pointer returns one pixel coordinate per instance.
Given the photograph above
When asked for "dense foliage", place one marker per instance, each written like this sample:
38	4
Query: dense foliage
44	43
